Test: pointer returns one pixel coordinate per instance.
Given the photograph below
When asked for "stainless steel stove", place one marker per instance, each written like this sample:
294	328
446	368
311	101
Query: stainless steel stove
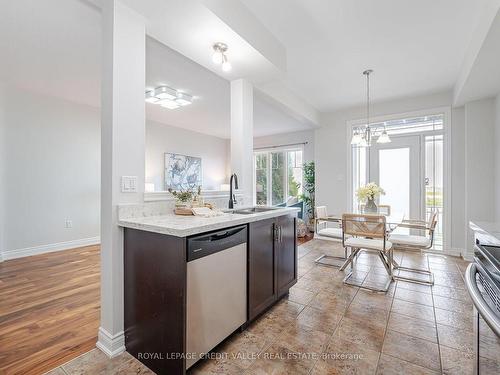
483	283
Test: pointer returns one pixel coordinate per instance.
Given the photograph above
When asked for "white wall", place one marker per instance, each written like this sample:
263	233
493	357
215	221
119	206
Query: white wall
331	155
3	160
289	138
213	151
52	171
497	155
458	219
331	146
480	177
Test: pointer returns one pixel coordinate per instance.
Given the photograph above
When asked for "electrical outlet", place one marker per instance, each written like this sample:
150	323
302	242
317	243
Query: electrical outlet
68	224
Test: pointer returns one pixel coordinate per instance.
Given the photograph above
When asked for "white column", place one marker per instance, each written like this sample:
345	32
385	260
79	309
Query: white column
3	167
242	136
122	154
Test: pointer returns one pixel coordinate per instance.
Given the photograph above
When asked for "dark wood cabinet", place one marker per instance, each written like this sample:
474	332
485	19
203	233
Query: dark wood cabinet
286	253
261	266
155	299
155	276
272	262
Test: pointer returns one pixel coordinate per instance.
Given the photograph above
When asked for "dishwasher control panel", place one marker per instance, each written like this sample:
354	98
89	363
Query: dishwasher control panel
208	243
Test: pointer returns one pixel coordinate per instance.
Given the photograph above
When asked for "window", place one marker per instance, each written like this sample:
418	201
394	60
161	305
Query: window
261	178
278	176
434	177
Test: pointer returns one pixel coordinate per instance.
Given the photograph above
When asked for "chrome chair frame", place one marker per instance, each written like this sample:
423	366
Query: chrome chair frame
319	220
385	255
422	225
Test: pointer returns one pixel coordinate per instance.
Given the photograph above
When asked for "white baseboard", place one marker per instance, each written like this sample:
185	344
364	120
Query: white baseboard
111	345
458	252
35	250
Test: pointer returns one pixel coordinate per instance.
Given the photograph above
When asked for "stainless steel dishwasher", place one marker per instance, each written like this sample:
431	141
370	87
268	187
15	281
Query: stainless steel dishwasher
216	289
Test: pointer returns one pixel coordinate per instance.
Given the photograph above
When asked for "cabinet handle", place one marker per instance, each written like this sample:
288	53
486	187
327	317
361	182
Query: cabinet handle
279	232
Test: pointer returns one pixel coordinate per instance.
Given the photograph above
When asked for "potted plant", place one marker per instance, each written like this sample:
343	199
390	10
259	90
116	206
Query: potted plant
309	187
367	194
183	198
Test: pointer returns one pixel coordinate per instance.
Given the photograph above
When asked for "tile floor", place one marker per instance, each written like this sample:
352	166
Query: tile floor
325	327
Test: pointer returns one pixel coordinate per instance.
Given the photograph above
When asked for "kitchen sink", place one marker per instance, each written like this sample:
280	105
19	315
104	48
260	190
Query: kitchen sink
254	210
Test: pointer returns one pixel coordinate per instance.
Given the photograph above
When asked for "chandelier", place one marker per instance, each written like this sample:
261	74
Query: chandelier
362	136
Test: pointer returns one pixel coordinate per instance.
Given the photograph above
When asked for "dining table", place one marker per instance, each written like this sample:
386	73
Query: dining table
395	222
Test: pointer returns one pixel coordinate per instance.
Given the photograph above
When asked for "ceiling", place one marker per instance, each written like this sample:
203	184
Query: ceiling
414	47
58	53
210	111
480	78
270	118
303	57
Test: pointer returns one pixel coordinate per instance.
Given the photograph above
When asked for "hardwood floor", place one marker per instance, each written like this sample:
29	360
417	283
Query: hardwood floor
306	238
49	309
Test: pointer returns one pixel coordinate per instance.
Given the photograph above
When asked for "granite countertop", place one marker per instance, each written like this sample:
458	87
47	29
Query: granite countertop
488	232
183	226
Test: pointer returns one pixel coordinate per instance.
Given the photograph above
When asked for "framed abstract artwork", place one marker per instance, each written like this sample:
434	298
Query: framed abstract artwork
182	172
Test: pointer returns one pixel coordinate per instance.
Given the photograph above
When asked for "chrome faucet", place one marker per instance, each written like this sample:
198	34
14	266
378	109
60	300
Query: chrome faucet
232	196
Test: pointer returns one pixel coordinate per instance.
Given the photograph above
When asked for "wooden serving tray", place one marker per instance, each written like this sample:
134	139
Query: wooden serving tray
183	211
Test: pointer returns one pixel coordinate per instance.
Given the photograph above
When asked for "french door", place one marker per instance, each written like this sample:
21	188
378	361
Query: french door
397	168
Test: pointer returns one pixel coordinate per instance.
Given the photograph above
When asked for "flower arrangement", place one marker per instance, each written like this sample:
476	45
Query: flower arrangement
185	196
369	192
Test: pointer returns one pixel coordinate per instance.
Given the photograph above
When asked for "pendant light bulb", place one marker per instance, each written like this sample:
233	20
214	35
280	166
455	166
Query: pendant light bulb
226	65
384	137
356	138
217	57
363	142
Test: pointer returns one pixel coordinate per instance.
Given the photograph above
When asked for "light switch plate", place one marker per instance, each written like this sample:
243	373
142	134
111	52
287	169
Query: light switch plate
129	184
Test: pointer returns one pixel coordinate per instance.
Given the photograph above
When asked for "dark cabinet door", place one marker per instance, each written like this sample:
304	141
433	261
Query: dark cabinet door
286	252
261	267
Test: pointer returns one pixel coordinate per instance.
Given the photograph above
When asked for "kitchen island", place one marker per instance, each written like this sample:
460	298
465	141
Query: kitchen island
168	299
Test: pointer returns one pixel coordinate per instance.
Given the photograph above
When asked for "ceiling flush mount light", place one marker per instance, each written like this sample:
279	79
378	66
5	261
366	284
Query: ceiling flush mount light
168	97
170	104
183	99
363	137
150	97
165	92
220	58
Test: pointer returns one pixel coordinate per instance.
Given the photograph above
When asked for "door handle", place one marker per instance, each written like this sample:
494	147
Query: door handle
279	233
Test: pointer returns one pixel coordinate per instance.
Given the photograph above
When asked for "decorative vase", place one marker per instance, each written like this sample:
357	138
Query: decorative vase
182	204
371	206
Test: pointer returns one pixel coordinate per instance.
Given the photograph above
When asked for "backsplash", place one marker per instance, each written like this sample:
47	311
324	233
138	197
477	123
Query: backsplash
157	204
